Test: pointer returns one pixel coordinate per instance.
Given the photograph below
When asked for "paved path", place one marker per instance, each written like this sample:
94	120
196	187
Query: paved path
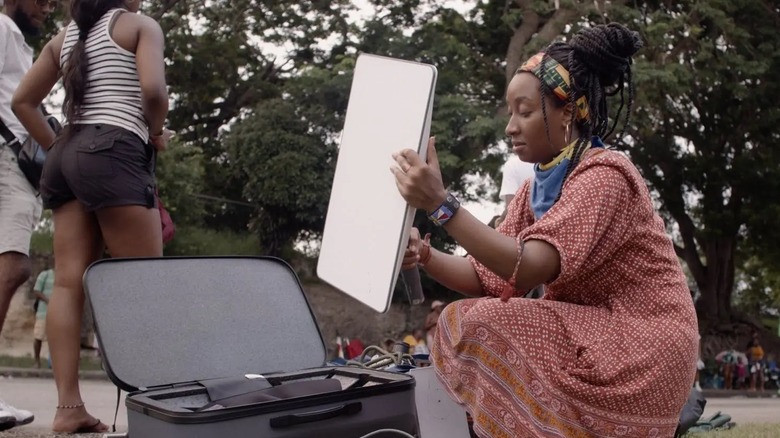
746	410
39	396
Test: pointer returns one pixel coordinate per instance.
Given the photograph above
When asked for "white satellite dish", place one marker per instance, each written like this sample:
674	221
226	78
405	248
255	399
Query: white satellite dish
368	222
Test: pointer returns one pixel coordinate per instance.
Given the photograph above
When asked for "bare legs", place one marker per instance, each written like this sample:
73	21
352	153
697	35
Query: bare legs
77	243
128	231
37	344
14	271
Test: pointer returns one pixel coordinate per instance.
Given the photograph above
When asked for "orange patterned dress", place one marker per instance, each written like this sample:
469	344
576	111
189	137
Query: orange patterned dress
611	349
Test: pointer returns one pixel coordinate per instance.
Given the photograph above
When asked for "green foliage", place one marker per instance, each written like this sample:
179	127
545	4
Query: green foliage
42	242
180	172
282	154
469	89
51	27
260	88
272	161
705	130
749	430
198	241
286	173
229	55
760	292
224	60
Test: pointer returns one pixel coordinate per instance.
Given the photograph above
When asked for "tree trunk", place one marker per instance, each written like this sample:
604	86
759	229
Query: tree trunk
515	52
542	30
717	286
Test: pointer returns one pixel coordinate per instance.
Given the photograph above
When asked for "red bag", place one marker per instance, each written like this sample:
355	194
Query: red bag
168	227
354	348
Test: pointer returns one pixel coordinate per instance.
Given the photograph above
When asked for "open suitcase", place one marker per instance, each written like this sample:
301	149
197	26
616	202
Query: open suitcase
177	332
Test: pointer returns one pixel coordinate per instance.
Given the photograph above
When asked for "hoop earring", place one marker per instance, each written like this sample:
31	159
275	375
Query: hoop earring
567	135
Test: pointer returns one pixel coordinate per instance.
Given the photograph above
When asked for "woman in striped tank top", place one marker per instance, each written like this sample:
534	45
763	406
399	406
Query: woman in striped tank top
99	174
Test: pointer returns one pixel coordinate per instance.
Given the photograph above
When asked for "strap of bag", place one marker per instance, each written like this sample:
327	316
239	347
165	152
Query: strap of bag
6	133
10	139
116	412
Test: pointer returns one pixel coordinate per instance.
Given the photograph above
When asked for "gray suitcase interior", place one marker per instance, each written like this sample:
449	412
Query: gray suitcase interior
165	324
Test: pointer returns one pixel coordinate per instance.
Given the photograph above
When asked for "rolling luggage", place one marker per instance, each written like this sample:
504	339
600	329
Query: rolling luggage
228	347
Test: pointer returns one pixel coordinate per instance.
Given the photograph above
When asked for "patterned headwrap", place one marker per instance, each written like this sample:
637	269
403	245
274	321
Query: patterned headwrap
555	76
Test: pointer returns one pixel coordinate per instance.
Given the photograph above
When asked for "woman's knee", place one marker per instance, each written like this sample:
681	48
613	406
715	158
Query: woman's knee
68	284
482	310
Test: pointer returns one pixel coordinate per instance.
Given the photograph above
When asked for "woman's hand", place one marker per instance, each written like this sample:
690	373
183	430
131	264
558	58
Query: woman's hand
418	182
417	250
412	253
160	141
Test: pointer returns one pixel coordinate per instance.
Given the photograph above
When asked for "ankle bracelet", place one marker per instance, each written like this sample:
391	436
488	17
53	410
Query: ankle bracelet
78	405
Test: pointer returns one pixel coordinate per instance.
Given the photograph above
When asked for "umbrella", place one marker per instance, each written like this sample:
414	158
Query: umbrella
738	357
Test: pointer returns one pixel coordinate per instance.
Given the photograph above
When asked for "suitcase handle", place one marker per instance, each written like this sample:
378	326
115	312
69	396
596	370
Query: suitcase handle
321	415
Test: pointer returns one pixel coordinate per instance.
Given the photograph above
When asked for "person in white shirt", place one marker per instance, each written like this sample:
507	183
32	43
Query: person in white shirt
20	208
515	172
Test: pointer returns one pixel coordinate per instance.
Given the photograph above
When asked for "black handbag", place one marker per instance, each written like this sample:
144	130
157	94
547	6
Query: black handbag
30	155
691	412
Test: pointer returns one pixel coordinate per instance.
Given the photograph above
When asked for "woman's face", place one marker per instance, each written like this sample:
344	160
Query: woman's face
526	127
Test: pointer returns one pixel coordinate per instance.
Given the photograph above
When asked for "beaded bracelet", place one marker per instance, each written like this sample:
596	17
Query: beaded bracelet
78	405
510	289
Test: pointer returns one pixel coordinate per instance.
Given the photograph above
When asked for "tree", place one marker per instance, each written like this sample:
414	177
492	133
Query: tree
311	107
224	59
704	127
702	135
180	174
760	291
286	170
705	132
518	28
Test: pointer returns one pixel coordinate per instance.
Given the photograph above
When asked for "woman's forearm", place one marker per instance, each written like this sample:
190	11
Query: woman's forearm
491	248
539	263
31	117
155	107
454	272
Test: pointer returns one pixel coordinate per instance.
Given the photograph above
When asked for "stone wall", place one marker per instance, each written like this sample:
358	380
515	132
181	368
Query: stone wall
337	315
340	315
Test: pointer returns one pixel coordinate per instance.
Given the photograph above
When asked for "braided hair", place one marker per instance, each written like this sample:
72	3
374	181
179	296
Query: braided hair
598	60
85	13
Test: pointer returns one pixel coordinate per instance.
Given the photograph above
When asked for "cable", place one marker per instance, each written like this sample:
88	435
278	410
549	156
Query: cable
395	431
383	359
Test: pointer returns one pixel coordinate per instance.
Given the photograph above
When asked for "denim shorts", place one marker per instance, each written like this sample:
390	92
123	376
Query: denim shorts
101	166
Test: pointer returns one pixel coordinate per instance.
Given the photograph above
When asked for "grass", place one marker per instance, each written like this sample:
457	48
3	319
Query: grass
742	431
86	364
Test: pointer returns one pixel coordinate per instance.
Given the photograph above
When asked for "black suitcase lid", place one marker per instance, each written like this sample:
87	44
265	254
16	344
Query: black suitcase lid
165	321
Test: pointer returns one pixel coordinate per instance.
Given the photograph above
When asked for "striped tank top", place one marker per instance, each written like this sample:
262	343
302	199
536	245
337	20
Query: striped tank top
113	91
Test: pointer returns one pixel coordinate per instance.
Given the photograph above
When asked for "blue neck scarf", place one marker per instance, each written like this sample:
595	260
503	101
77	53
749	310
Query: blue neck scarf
548	183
